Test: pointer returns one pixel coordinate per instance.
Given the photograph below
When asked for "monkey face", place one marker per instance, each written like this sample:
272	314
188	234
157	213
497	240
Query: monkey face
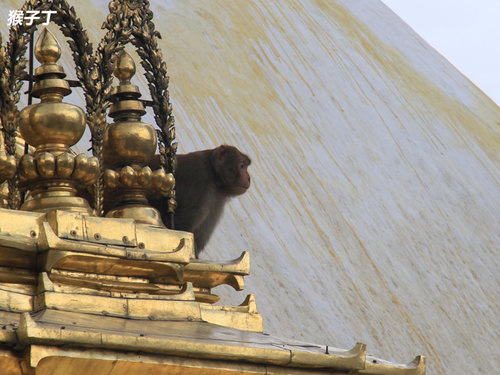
231	167
242	182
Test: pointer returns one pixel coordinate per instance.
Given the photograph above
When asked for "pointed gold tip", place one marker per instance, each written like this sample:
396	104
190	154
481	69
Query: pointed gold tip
124	66
47	49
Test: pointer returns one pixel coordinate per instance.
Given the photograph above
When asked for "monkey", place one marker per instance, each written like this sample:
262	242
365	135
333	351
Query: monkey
205	181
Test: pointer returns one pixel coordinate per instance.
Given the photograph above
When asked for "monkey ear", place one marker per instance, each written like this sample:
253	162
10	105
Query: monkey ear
220	152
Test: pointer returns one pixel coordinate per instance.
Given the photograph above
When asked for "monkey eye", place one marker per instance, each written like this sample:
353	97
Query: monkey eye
242	165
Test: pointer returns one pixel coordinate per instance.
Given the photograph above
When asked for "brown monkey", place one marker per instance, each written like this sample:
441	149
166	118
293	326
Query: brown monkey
204	181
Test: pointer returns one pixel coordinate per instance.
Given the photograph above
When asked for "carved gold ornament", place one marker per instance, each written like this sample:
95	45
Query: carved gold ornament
127	22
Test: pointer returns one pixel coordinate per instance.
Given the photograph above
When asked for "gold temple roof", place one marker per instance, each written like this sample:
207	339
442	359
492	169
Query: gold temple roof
58	334
95	294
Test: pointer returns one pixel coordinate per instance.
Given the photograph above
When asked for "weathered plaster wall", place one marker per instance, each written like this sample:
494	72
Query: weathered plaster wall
374	213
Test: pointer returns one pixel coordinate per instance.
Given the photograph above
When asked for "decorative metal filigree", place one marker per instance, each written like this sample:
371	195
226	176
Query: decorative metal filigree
11	77
128	22
91	72
136	17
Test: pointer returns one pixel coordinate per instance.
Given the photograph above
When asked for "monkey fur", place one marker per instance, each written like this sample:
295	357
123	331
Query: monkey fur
205	180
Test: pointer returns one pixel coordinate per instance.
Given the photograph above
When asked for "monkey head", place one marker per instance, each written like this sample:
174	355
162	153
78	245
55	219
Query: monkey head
231	170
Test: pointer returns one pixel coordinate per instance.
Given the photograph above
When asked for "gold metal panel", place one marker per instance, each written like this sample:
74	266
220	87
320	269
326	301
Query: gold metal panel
21	223
304	358
19	232
181	253
184	339
205	296
238	266
249	305
62	228
8	337
10	363
107	265
16	297
164	240
238	317
74	366
74	226
26	289
175	307
121	233
212	279
98	284
375	366
206	274
11	256
81	303
50	360
164	310
99	301
9	322
17	276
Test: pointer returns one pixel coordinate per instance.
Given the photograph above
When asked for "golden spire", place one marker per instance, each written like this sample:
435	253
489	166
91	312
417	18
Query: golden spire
47	49
124	67
53	172
129	145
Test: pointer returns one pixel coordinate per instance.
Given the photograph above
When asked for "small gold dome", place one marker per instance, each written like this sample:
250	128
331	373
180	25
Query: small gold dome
47	49
51	122
124	66
128	140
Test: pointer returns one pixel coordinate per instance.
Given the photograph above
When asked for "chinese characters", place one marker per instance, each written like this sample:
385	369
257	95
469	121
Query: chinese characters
18	17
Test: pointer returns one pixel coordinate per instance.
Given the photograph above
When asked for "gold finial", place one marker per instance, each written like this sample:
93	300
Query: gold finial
47	49
124	67
52	173
129	145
